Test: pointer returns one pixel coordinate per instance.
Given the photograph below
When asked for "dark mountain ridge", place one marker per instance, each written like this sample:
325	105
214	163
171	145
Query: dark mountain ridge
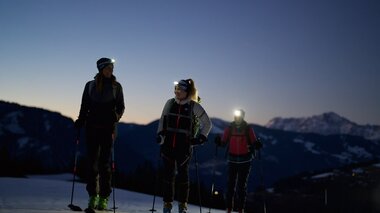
34	140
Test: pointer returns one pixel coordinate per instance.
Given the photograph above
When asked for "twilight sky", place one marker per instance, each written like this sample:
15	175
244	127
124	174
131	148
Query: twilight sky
292	58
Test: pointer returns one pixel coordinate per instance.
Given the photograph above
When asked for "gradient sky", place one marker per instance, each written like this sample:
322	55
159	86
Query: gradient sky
292	58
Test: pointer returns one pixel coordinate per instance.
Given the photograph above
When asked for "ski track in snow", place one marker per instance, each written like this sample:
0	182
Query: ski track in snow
43	194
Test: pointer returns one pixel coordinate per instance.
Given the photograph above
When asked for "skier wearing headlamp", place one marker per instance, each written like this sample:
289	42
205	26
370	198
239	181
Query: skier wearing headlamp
241	141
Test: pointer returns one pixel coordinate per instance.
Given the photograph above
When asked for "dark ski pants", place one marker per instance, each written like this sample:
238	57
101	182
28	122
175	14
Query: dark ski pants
181	179
99	150
237	179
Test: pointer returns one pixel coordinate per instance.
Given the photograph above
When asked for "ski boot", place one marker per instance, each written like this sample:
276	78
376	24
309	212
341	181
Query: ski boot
168	207
103	203
228	210
182	207
93	201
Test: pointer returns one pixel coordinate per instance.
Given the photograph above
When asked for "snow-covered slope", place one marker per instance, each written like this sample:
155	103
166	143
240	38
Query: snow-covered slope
325	124
43	194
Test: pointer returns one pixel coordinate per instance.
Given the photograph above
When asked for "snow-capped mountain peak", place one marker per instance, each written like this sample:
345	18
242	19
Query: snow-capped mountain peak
329	123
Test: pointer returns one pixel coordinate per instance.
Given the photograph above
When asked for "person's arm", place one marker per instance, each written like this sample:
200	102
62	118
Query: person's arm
203	118
120	106
84	107
226	136
252	136
165	111
85	104
255	142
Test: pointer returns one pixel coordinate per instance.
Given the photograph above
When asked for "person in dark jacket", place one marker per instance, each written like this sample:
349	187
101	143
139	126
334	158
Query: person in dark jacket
177	132
101	108
241	141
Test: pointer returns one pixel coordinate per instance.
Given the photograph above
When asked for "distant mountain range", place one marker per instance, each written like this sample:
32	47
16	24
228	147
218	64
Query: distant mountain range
325	124
34	140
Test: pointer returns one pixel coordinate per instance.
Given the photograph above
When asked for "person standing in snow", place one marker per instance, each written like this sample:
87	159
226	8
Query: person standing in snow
101	108
242	142
178	131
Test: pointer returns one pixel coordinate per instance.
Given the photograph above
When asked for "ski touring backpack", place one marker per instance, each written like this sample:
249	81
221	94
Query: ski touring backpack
246	134
195	124
92	85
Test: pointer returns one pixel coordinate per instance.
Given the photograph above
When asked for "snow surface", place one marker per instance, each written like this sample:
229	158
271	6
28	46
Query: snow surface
359	151
309	146
12	124
323	175
52	194
47	124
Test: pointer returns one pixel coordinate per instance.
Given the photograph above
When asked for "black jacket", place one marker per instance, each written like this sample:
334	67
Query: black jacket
102	109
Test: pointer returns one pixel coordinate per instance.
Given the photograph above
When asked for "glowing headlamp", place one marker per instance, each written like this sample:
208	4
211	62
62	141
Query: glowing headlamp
237	113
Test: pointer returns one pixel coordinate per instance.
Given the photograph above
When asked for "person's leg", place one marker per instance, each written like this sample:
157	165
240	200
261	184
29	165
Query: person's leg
183	186
92	147
231	182
105	171
183	182
168	183
242	182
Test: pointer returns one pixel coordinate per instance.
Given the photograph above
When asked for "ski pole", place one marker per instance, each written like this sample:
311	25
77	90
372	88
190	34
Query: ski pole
155	183
213	177
71	205
198	183
113	172
262	180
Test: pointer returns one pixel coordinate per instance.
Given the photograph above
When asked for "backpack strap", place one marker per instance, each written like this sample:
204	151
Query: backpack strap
114	90
167	112
91	85
191	131
231	127
194	132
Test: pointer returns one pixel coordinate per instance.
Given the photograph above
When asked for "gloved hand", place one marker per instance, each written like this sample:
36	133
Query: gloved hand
201	139
79	123
160	138
218	140
258	145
